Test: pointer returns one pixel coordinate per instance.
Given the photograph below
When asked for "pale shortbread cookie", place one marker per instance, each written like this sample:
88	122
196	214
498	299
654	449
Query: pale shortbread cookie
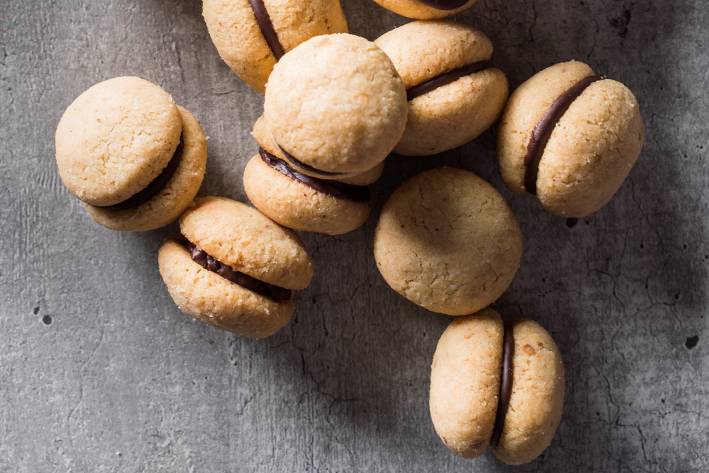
591	150
466	375
115	138
242	239
537	396
337	105
426	9
295	204
240	42
455	113
465	382
447	241
175	197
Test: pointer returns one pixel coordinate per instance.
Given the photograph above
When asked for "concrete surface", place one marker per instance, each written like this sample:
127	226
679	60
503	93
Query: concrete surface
100	373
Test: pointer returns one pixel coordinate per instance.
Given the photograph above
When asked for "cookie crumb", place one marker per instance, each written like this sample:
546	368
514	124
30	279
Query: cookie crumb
47	320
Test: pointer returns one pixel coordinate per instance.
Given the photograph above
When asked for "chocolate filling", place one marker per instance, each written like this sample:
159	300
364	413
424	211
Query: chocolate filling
267	29
333	188
307	167
445	79
275	293
508	351
445	4
155	186
543	130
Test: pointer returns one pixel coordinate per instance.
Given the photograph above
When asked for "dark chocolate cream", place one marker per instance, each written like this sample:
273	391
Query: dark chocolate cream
445	4
503	403
155	186
275	293
307	167
263	19
333	188
446	78
542	131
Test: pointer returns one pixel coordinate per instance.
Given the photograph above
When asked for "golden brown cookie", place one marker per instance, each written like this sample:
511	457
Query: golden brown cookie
252	35
426	9
498	385
236	269
570	137
455	93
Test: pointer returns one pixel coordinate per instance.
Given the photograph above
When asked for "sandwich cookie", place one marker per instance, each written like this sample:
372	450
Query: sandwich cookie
135	158
303	202
447	241
336	106
496	385
234	269
426	9
252	35
455	93
570	137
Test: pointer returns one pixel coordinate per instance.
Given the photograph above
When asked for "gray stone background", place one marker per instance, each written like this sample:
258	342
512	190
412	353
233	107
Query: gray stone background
99	372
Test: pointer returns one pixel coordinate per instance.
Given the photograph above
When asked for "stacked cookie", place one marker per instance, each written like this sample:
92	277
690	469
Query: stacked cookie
336	106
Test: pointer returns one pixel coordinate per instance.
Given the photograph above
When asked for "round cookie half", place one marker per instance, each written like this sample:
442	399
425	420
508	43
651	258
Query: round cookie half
570	137
115	139
426	9
336	106
177	194
537	395
465	382
447	241
251	35
454	91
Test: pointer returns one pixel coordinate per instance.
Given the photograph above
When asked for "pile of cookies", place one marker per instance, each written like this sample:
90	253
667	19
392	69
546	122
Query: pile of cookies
336	106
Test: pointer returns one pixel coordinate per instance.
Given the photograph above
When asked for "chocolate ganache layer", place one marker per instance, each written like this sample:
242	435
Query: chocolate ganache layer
155	186
263	19
446	78
307	167
445	4
333	188
275	293
503	403
543	130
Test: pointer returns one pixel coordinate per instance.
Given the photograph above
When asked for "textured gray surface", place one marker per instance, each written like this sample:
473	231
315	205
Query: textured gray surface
100	373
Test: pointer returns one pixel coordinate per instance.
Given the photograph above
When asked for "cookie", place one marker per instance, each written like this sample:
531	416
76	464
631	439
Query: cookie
252	35
455	93
496	385
235	269
447	241
135	158
426	9
570	137
299	201
336	106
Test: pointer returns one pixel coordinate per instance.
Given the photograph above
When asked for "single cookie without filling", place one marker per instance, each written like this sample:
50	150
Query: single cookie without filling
234	269
570	137
455	93
134	157
496	385
426	9
252	35
447	241
336	106
303	202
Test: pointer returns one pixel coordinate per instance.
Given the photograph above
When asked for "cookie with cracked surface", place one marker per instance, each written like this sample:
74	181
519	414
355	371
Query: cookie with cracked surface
447	241
252	35
496	385
336	106
303	202
570	137
426	9
455	93
235	269
130	154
